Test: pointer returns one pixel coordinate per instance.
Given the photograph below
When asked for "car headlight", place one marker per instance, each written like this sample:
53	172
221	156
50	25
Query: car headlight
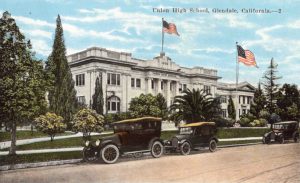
87	143
97	143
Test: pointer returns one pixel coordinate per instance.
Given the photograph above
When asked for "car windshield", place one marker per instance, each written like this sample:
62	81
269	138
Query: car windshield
185	131
278	126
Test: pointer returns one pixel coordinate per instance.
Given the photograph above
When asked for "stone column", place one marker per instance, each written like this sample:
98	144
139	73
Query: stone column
168	96
149	85
159	81
104	88
177	88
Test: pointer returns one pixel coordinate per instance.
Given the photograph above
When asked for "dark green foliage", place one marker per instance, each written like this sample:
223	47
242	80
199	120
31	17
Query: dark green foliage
162	105
288	102
22	81
222	122
259	102
231	108
62	94
194	106
274	118
98	101
144	105
270	86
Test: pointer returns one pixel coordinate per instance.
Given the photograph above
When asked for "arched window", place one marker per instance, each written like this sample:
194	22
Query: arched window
113	104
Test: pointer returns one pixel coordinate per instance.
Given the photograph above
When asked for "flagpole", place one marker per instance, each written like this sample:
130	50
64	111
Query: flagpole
162	35
237	81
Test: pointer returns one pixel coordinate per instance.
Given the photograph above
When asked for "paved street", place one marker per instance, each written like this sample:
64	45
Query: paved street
258	163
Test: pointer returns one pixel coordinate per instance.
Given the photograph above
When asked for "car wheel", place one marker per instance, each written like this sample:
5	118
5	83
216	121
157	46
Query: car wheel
110	154
88	155
296	139
157	149
266	140
185	148
281	139
212	145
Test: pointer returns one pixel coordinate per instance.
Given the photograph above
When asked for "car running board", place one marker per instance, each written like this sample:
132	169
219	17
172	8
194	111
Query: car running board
132	152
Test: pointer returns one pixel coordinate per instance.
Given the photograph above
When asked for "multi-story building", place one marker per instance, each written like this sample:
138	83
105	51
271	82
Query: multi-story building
125	77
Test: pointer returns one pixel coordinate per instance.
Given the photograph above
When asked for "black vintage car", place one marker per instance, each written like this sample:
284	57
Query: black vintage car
133	136
282	131
193	136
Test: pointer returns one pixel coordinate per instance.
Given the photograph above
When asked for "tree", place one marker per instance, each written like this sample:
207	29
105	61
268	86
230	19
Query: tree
231	108
270	86
51	124
144	105
162	105
62	94
22	88
195	105
87	121
288	102
259	102
98	101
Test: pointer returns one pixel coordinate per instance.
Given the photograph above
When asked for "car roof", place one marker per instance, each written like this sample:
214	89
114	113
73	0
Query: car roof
136	120
286	122
198	124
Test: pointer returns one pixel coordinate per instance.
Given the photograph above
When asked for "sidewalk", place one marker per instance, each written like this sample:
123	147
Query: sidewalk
80	148
6	144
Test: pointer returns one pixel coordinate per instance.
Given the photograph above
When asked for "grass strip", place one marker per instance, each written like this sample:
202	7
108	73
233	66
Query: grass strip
5	136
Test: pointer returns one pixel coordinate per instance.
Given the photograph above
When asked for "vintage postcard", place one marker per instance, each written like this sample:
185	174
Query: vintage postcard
149	91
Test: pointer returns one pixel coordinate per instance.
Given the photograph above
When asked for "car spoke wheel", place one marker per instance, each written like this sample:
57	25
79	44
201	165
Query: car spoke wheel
281	140
157	149
296	139
185	148
266	140
212	145
88	155
110	154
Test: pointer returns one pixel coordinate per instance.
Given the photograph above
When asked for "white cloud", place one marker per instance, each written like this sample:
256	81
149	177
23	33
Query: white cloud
41	47
235	21
33	22
38	33
214	50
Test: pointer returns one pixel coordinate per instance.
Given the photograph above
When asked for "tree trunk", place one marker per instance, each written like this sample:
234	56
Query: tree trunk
52	137
12	150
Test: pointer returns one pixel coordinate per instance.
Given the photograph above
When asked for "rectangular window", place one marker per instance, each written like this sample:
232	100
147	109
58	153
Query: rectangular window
108	105
170	86
244	111
81	100
184	87
118	106
152	84
223	99
244	98
80	80
207	89
132	82
249	100
138	83
113	79
162	85
239	99
113	106
224	113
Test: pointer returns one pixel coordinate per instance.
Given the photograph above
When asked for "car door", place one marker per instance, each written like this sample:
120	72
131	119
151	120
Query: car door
196	137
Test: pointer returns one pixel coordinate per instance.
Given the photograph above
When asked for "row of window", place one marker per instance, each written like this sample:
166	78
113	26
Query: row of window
241	112
113	103
135	82
243	99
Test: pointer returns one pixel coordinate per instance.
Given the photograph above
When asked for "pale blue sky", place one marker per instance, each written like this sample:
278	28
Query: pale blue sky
206	40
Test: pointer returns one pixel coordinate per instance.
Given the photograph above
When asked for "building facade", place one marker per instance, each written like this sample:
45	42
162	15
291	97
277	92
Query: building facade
124	77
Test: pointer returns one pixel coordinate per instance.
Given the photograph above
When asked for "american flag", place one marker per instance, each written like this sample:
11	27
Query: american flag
246	56
170	28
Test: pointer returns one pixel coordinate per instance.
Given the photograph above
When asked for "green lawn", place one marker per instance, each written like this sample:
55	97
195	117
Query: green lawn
5	136
224	133
31	158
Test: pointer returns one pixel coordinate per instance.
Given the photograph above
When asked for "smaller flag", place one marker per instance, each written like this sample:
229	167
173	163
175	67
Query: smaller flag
170	28
246	57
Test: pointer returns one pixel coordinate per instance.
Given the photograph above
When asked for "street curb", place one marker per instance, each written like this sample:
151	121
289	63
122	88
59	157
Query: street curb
39	164
237	145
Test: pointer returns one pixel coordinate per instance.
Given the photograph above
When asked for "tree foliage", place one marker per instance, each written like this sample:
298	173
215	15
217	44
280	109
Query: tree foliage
51	124
288	102
231	108
259	102
162	105
270	86
144	105
62	94
22	81
87	121
98	101
195	105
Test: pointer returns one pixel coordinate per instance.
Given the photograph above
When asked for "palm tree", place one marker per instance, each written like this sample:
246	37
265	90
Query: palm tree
195	105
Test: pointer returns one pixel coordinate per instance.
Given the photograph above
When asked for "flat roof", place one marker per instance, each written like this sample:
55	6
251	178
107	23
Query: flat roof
142	119
198	124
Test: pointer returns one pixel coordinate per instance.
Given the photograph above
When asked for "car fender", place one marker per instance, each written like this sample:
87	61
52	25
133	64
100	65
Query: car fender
106	142
295	134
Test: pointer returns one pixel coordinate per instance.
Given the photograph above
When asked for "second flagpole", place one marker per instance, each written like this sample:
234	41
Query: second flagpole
237	115
162	35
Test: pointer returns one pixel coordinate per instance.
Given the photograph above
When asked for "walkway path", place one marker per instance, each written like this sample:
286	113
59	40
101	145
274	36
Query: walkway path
6	144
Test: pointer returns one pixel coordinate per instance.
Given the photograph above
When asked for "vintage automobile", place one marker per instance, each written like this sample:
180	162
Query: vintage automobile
282	131
133	136
193	136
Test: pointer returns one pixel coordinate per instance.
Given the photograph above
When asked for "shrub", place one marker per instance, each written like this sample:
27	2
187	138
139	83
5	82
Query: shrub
51	124
263	122
245	122
222	122
264	114
87	121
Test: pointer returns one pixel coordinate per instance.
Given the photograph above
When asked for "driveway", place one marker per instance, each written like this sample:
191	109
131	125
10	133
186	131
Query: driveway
258	163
